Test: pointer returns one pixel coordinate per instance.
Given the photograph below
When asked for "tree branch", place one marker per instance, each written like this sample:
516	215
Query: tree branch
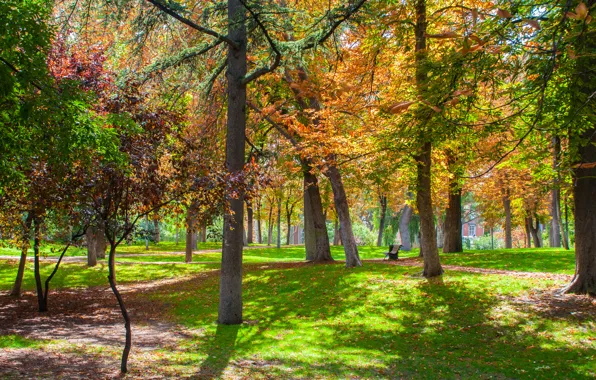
194	25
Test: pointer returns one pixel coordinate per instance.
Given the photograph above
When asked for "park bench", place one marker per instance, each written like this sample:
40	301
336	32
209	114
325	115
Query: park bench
393	253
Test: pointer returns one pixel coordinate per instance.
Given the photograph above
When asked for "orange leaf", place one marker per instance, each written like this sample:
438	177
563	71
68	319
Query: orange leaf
400	107
502	13
533	23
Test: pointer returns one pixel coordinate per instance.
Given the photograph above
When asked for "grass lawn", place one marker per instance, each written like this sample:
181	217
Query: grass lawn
551	260
326	321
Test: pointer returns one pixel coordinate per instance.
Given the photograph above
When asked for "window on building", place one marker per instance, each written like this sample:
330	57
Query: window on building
472	231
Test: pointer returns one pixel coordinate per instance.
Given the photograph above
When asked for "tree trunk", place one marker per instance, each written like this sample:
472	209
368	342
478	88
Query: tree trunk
343	213
555	224
453	227
317	245
383	203
404	228
428	245
528	228
41	301
270	225
101	243
249	228
584	173
336	237
204	232
92	246
125	316
507	208
279	222
259	234
230	294
440	230
156	234
189	240
26	238
289	212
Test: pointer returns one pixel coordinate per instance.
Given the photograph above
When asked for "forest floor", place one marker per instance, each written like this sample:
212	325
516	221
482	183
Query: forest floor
306	321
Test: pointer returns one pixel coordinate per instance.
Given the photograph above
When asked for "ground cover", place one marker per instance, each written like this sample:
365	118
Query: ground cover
326	321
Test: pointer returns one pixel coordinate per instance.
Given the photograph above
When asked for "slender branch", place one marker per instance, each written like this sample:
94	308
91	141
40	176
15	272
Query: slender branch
13	68
338	21
194	25
276	61
278	127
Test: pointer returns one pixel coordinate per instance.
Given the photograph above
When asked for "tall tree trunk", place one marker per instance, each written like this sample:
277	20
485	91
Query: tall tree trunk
432	263
249	217
189	239
26	238
453	227
279	222
555	230
343	213
91	237
535	231
507	208
584	173
336	237
125	316
41	301
259	233
528	228
156	234
404	227
270	225
428	244
230	294
204	232
317	248
383	203
289	212
101	243
440	230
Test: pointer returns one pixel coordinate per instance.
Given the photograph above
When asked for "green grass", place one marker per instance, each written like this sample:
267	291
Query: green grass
78	275
378	322
327	321
550	260
46	249
16	341
164	246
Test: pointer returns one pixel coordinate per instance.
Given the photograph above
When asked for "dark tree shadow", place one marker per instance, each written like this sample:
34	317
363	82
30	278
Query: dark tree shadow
220	350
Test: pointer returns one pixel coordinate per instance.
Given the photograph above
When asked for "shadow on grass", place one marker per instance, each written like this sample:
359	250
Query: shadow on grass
378	321
221	348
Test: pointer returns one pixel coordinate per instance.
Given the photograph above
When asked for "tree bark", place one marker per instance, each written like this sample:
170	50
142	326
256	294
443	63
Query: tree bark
259	233
278	222
432	264
428	245
584	173
189	238
249	217
156	234
125	316
440	231
270	225
336	236
41	301
404	228
101	243
289	212
555	224
230	294
528	228
317	246
453	227
16	289
343	213
92	246
507	208
383	203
